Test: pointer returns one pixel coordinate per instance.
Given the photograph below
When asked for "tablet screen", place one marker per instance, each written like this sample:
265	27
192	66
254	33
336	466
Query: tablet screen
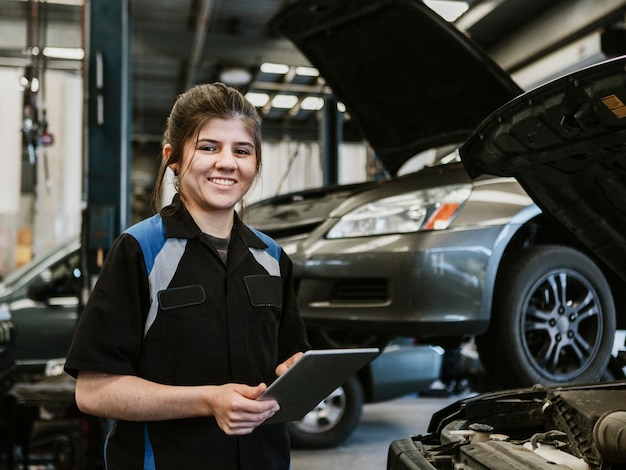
312	378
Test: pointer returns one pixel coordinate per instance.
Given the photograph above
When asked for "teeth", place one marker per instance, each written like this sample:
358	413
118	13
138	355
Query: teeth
223	182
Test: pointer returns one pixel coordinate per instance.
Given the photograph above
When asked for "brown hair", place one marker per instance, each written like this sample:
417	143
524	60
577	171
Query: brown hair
192	110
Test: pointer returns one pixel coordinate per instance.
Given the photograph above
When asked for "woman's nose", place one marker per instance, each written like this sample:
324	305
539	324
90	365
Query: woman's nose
225	159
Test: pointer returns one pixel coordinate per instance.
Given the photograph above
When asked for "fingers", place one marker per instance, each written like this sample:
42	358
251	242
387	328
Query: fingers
252	392
244	423
282	368
239	412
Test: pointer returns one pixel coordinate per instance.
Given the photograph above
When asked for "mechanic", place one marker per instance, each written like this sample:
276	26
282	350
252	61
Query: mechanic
193	312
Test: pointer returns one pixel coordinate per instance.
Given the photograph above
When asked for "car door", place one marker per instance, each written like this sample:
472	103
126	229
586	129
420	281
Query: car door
44	307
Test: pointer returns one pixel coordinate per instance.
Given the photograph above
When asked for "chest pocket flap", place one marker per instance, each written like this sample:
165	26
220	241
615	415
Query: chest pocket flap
178	297
264	291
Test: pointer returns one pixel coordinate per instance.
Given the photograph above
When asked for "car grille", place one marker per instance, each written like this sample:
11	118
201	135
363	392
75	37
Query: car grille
343	291
360	290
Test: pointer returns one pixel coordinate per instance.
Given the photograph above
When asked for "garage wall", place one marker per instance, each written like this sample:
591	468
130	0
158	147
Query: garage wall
293	166
58	207
10	136
32	222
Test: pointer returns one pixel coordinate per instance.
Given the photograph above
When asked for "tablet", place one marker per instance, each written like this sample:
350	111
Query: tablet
312	378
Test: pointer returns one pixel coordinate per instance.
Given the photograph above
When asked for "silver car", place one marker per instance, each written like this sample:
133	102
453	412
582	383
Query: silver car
565	143
434	254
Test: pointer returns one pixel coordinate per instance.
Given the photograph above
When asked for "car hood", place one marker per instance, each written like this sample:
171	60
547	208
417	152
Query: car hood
565	142
409	79
297	213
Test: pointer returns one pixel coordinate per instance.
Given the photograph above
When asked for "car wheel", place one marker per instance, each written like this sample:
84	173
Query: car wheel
553	319
332	421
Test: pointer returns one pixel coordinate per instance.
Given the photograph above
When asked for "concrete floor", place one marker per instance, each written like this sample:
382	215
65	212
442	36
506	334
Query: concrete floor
367	447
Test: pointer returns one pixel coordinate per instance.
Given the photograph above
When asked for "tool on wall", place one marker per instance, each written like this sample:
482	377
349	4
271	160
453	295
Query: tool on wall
35	133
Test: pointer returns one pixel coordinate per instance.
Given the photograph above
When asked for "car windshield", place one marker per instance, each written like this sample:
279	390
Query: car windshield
31	267
431	157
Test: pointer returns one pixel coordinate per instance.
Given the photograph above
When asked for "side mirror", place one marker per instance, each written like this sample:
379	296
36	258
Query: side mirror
42	288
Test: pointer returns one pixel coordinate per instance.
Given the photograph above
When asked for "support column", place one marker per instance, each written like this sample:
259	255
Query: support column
108	157
332	136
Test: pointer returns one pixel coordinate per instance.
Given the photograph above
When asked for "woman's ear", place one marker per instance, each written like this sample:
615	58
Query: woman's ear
167	152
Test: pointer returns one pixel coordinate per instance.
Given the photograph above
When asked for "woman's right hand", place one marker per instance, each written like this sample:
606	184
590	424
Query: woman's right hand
237	410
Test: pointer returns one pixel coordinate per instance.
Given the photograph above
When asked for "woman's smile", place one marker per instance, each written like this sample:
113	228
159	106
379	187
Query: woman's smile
222	181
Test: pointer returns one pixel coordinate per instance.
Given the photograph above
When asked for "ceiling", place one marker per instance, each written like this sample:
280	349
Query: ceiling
176	43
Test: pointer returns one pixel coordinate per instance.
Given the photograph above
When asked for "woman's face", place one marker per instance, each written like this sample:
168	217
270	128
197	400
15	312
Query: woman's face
217	170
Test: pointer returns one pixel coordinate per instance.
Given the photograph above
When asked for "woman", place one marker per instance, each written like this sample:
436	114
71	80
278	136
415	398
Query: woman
193	312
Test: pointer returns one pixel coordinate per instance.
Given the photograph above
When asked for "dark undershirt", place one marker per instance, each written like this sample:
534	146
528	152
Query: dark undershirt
221	245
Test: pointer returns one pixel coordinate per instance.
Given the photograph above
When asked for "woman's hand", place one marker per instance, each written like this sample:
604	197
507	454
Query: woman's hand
282	368
237	409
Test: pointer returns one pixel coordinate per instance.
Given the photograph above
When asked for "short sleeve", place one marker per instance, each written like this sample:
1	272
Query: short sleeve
109	331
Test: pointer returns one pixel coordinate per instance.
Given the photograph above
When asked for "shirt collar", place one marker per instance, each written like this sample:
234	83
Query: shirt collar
179	224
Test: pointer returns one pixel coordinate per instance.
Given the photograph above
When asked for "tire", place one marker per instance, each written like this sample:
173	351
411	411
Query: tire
332	421
553	320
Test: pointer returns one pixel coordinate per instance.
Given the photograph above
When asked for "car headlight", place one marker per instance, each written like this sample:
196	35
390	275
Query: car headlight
5	313
429	209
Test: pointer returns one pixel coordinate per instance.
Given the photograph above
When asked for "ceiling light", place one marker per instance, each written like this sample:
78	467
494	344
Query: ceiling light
70	53
312	103
269	67
449	10
307	71
257	99
235	76
284	101
34	85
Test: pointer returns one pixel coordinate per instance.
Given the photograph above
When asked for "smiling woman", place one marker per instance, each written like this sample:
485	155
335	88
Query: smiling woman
194	313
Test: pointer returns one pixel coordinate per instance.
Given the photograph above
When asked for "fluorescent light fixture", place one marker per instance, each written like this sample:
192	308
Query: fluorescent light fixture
269	67
34	85
307	71
70	53
257	99
449	10
312	103
235	76
284	101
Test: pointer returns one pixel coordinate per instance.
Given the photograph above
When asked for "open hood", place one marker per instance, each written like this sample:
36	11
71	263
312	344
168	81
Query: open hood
407	77
565	142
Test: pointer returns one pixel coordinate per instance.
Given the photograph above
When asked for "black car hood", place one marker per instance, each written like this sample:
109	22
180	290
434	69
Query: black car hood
565	142
407	77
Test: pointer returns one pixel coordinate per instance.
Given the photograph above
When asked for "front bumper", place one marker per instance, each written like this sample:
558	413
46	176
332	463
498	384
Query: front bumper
425	284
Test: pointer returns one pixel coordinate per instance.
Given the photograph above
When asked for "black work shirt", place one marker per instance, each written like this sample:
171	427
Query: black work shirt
166	308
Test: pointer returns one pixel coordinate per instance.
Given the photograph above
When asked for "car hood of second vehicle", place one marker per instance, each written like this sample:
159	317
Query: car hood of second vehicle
565	142
410	79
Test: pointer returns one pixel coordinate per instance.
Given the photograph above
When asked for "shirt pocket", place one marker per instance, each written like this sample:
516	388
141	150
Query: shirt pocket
179	297
266	295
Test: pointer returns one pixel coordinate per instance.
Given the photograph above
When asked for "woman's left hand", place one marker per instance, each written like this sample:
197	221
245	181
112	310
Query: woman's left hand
282	368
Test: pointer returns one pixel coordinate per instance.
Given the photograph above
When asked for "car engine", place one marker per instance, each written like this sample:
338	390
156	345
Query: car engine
560	428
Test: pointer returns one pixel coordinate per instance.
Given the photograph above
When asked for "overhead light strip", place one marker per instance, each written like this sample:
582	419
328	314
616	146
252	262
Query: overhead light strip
449	10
